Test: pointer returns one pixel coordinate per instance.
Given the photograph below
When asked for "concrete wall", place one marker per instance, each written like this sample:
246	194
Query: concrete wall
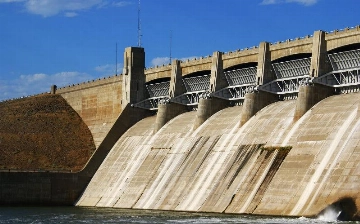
339	38
291	47
239	57
158	73
97	102
41	188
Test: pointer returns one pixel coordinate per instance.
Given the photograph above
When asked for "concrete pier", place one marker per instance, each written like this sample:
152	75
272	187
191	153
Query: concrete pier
254	102
308	96
208	107
166	112
311	94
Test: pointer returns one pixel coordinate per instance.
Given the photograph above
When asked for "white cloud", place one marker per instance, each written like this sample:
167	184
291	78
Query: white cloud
33	78
7	1
52	7
109	69
159	61
303	2
121	3
70	14
269	2
48	8
38	83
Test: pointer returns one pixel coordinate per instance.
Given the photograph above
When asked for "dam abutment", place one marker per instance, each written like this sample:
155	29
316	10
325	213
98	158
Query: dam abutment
128	117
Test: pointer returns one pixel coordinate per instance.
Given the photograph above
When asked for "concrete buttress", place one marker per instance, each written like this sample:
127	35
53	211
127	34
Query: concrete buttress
166	110
257	100
208	106
311	94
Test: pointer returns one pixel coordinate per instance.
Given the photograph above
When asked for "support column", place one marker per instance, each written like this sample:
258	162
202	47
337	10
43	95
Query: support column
166	110
208	106
217	79
257	100
311	94
320	64
264	73
133	90
176	86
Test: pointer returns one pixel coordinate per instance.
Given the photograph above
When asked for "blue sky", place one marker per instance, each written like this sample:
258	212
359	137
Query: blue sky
45	42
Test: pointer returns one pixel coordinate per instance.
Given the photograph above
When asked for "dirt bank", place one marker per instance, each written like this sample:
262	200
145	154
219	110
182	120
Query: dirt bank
43	133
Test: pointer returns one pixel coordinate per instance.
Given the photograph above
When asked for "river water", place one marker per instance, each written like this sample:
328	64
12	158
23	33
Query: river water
50	215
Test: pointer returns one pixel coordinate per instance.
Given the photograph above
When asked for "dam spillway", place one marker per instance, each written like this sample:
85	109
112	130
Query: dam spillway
222	167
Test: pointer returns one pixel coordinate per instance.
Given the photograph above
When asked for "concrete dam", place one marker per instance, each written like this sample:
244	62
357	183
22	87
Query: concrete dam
222	167
270	130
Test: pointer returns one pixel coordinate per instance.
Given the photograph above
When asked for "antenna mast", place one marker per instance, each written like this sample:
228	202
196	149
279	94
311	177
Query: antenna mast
116	60
170	44
139	27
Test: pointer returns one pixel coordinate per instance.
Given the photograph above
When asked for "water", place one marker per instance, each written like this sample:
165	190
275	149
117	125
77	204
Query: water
330	213
58	215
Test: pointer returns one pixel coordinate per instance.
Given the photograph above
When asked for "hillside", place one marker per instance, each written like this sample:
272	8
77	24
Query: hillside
43	133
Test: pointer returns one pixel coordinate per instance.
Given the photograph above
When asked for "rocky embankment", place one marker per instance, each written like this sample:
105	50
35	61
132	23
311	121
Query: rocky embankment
43	133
